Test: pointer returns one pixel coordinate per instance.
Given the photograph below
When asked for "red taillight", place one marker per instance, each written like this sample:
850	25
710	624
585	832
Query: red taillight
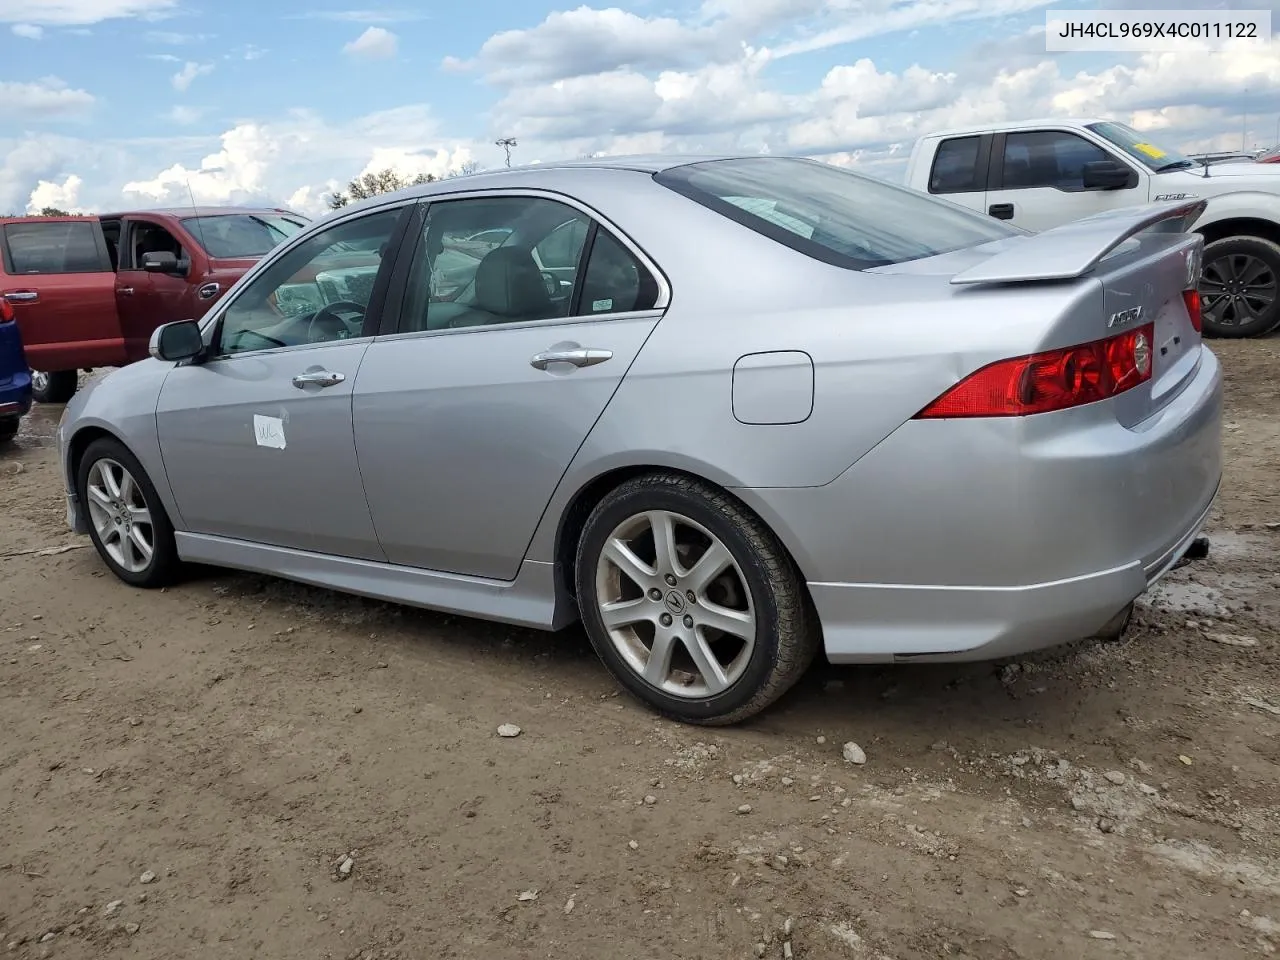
6	310
1194	308
1054	380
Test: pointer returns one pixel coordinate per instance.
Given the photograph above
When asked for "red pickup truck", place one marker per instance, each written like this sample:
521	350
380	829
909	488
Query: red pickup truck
88	291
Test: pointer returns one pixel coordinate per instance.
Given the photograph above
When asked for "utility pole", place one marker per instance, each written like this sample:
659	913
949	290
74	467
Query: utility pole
506	143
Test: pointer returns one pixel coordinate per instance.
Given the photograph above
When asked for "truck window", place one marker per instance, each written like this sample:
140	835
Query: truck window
152	238
955	167
1047	158
57	247
833	215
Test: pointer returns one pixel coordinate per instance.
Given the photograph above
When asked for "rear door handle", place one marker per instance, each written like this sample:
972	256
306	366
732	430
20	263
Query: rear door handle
318	378
1001	211
578	356
125	291
22	296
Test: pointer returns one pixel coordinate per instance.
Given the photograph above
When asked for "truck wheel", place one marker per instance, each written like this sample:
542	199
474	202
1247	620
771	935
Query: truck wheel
57	387
1240	287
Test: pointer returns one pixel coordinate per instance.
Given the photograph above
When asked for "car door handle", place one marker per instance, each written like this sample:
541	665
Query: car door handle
125	291
22	296
579	357
1001	211
318	378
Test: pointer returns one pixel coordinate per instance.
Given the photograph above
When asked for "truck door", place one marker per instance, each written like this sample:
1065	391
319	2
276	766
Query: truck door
57	276
147	299
1037	179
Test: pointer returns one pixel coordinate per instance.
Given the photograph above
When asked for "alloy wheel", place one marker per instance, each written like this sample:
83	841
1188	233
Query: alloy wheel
1237	289
120	516
39	381
675	604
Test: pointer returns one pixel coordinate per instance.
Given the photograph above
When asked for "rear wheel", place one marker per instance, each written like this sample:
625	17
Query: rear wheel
127	521
56	387
691	601
1240	287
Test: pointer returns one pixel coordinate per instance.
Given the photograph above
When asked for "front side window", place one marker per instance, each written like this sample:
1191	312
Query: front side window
832	215
955	167
1048	158
152	238
236	235
317	292
69	246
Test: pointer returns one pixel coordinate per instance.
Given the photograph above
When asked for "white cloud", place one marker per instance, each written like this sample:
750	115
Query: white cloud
49	97
28	31
302	158
175	39
374	44
81	12
183	79
64	196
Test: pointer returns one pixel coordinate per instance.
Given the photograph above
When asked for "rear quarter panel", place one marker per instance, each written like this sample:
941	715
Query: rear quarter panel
882	348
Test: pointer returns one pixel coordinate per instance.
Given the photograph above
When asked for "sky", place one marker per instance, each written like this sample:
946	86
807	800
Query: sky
128	104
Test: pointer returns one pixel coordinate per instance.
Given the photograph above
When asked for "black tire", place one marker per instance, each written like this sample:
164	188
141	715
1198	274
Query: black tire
58	387
1222	259
1113	630
8	428
164	566
786	626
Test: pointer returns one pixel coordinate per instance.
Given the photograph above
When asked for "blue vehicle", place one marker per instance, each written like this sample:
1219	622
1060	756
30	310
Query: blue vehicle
15	376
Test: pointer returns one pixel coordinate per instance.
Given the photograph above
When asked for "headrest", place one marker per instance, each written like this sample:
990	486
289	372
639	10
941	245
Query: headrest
509	284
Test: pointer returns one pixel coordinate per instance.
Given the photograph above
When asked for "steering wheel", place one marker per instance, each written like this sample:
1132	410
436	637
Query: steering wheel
327	324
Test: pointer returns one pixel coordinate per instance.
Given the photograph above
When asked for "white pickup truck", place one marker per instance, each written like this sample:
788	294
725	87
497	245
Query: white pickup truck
1040	174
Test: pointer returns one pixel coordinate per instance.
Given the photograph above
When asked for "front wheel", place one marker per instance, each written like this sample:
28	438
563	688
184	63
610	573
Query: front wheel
56	387
691	601
1240	287
127	521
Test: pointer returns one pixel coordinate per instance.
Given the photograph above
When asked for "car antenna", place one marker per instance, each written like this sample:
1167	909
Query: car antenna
195	213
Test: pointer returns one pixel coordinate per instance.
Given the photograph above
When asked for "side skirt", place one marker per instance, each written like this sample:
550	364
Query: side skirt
533	599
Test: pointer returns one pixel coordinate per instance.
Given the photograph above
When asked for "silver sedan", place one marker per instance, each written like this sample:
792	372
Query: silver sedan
728	412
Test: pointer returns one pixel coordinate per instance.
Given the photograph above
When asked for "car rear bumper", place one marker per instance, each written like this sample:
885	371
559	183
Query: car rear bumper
878	623
15	395
969	540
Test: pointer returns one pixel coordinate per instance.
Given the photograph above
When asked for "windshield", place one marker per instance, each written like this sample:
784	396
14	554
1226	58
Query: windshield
830	214
233	235
1140	148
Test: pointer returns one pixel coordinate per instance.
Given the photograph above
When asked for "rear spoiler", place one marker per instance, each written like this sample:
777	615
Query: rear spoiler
1073	249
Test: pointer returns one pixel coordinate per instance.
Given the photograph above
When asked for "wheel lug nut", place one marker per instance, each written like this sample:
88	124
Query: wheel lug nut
688	621
665	619
655	594
671	580
691	597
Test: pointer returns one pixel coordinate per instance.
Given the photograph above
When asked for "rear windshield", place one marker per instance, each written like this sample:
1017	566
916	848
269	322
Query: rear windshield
241	234
830	214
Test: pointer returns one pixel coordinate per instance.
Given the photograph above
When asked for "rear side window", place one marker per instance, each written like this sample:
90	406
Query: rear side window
60	247
955	167
832	215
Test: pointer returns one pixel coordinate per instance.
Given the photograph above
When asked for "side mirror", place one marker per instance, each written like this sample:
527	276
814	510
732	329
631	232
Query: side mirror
1107	175
164	262
178	341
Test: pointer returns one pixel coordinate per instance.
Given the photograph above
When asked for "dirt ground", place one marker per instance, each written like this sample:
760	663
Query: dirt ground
181	773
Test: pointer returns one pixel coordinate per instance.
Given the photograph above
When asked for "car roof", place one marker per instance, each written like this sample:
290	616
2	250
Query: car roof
1074	122
202	211
559	175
